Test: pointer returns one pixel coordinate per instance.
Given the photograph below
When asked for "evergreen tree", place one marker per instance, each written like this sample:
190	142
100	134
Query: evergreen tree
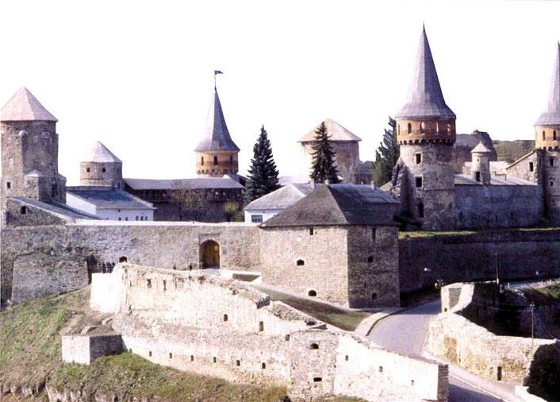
323	168
386	156
263	174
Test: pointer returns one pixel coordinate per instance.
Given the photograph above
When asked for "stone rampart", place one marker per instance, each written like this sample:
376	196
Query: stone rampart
512	254
84	349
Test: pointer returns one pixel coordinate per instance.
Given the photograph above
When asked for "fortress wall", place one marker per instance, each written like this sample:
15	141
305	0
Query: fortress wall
478	206
467	257
346	365
464	343
324	256
373	277
41	260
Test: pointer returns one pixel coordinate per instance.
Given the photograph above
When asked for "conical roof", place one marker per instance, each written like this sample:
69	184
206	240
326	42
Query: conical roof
552	115
100	153
216	137
336	133
425	98
25	107
481	149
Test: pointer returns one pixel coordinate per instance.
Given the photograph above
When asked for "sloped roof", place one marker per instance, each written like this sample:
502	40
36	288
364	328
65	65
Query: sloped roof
281	198
100	153
425	98
23	106
58	209
552	115
108	198
174	184
339	204
216	137
481	149
334	130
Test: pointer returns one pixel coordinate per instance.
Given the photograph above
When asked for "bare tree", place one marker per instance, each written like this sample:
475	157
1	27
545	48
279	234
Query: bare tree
189	202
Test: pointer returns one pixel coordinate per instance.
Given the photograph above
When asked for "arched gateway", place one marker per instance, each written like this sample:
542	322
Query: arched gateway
210	254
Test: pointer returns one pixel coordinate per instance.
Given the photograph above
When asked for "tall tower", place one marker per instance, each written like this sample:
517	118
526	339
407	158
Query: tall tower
29	151
547	129
100	167
426	134
216	153
480	166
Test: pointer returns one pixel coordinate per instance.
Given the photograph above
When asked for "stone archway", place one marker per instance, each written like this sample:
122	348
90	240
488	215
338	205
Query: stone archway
210	254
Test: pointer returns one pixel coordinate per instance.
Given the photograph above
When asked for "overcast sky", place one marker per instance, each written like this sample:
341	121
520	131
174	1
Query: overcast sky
138	75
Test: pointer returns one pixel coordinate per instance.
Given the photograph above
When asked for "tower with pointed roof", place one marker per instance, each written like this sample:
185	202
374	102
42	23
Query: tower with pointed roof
480	166
29	151
100	167
547	144
345	145
216	153
426	134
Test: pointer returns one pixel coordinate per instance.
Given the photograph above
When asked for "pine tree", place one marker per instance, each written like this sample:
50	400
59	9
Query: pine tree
323	167
386	156
263	174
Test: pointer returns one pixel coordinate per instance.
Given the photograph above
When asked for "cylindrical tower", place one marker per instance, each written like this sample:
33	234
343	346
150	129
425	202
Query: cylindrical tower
480	166
216	153
547	128
100	167
426	134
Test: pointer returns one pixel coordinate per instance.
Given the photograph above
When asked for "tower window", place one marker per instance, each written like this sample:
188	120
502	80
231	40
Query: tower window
215	160
8	184
311	232
202	160
23	210
448	128
87	170
554	135
531	166
103	170
477	176
418	158
300	263
437	127
398	129
312	293
543	137
422	127
418	181
551	161
231	159
409	128
421	210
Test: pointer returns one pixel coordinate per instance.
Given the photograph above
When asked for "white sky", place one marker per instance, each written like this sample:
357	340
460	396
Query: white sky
138	75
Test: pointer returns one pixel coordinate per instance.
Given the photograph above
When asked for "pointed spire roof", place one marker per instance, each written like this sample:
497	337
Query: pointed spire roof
481	149
552	115
25	107
216	137
100	153
425	98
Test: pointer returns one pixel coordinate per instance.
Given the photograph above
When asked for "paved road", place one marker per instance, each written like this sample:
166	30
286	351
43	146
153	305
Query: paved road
411	326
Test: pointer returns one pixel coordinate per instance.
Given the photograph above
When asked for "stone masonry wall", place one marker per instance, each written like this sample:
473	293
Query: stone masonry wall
42	260
84	349
517	254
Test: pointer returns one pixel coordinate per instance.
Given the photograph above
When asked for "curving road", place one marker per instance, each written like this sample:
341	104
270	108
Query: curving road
411	325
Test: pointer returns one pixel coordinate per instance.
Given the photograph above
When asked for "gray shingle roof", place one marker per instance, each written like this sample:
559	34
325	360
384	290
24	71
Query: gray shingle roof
108	198
281	198
100	153
58	209
481	149
23	106
425	98
335	131
551	116
339	204
216	137
195	183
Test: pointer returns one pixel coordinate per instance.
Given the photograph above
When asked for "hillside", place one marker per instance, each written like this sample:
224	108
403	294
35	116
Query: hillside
30	363
510	151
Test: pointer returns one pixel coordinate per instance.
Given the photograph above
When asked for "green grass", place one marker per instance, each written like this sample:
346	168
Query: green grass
423	234
347	320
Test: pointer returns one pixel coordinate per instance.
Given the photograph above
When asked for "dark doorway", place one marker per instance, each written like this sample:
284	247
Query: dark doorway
210	253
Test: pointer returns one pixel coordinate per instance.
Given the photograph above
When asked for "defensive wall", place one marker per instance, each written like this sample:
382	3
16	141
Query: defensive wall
206	324
468	256
461	342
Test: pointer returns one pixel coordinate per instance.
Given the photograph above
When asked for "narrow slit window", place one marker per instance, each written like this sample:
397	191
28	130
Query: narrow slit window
418	181
531	167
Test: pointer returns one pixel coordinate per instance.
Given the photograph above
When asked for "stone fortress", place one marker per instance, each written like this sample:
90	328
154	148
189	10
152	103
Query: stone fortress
340	243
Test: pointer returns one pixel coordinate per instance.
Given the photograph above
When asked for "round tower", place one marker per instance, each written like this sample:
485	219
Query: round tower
30	151
480	166
216	153
426	134
100	167
547	129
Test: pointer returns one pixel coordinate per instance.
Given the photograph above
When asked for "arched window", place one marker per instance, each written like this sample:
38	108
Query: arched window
312	293
103	170
409	128
422	127
314	346
215	160
300	263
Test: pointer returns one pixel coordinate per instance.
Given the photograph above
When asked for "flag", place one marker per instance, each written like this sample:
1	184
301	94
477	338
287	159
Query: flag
216	72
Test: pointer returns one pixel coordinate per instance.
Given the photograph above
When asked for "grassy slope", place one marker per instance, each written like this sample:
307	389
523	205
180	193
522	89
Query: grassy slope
31	356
